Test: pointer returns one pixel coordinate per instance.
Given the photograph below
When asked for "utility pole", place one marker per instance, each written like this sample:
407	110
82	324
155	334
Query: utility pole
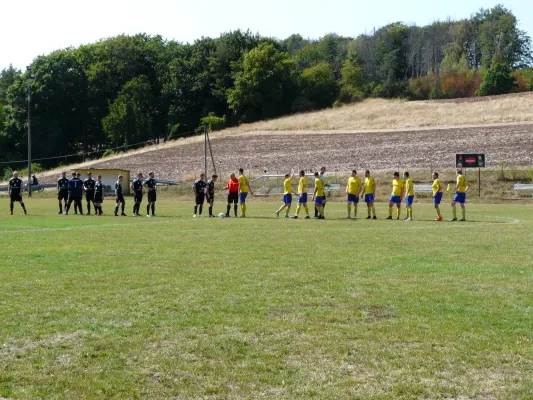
30	77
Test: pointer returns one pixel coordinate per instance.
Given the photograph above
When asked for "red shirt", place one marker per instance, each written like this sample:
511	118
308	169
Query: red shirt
233	185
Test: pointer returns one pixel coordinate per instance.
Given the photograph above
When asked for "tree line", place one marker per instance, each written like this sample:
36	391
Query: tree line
127	90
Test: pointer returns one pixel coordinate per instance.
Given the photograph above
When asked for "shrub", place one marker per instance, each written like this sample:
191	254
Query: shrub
497	81
213	122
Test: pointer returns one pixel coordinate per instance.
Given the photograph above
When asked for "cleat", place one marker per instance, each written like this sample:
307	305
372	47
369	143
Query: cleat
65	213
374	217
148	215
295	217
11	213
438	219
60	212
227	215
369	217
286	216
308	217
211	216
348	217
408	219
154	215
453	219
463	220
321	217
397	218
277	214
116	215
123	214
242	216
389	217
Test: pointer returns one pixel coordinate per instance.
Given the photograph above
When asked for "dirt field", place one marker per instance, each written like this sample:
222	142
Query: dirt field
279	152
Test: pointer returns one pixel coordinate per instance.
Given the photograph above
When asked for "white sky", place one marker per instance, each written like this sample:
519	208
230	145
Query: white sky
33	27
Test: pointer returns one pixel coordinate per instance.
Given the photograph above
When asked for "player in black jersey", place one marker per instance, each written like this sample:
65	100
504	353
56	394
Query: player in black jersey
88	185
151	184
98	199
210	193
14	191
198	189
137	187
119	198
62	191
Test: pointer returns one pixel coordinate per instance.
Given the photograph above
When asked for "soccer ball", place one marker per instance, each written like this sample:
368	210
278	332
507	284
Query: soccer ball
221	215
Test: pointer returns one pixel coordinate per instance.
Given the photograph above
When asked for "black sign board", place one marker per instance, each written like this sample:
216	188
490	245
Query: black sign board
470	160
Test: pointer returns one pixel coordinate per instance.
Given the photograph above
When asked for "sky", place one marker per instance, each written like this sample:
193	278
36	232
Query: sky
35	27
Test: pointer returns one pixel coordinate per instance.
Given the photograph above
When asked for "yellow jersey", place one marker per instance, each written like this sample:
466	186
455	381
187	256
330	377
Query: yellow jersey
354	185
461	184
409	187
302	185
436	184
243	184
397	187
370	184
287	184
319	185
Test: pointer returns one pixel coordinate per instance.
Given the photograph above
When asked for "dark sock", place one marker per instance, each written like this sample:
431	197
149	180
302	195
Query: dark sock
227	209
316	212
60	207
11	206
235	209
116	209
148	209
153	208
123	207
201	208
210	210
88	207
23	206
195	210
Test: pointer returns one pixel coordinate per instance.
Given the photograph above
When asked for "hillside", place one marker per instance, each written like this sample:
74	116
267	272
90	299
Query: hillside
375	134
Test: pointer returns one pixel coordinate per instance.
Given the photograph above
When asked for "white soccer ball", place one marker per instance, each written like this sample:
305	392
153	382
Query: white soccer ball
222	215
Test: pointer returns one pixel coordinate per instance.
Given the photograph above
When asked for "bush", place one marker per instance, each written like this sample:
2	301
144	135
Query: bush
349	94
213	122
497	81
109	152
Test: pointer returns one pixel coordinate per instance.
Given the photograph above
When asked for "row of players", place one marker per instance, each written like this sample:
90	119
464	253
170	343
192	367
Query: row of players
71	191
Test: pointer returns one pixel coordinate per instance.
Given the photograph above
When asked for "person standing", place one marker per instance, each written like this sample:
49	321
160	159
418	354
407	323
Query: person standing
75	192
318	196
14	191
119	197
409	196
322	176
233	193
62	191
244	188
137	188
353	190
437	194
88	186
210	193
396	195
370	194
151	184
98	199
302	196
287	195
460	196
198	189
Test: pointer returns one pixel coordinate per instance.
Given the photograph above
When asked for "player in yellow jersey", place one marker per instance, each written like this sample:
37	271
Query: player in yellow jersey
409	196
369	189
302	196
353	190
437	194
244	188
318	196
396	195
460	196
287	195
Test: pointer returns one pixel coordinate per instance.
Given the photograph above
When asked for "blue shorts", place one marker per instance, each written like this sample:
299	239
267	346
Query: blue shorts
242	197
353	198
460	197
409	200
319	200
302	198
287	198
437	199
395	199
369	198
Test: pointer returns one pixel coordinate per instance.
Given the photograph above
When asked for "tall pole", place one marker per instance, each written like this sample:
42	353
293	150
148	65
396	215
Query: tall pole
205	150
29	129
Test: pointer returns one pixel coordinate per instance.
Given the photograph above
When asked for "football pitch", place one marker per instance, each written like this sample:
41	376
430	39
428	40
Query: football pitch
176	307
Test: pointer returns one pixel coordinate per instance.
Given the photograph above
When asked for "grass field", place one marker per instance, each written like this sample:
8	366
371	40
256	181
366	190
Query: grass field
183	308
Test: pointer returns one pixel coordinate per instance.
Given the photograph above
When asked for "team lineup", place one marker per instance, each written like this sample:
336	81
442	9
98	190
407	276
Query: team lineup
71	191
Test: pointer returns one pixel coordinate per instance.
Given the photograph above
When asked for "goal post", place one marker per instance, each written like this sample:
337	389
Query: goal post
272	185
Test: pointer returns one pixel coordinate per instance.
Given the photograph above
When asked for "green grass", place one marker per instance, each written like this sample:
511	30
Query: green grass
176	307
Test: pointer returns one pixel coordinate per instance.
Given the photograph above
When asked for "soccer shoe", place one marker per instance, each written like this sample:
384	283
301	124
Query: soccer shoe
11	213
453	219
389	217
369	217
60	212
65	213
463	220
148	215
26	213
211	216
408	219
242	216
75	213
227	215
154	215
438	219
123	214
348	217
321	217
116	215
286	216
308	217
374	217
277	214
295	217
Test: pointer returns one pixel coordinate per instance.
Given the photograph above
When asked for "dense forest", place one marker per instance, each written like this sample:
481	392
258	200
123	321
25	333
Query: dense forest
128	90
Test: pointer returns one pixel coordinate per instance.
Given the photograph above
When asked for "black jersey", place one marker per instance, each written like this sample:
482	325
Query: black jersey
137	185
89	184
199	186
99	188
118	188
151	184
16	186
211	188
62	184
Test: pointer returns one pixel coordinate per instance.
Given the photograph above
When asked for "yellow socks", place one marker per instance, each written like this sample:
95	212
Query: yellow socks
390	212
298	210
398	212
438	211
349	208
454	210
464	212
369	209
373	211
306	210
355	210
243	210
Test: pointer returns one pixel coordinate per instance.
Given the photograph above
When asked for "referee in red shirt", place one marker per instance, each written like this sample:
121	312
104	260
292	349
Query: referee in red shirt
233	193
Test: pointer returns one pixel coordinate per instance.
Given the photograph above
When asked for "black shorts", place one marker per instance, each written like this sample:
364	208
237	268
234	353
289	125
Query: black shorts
233	197
200	198
98	197
152	196
15	197
138	197
210	197
89	196
62	195
120	199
